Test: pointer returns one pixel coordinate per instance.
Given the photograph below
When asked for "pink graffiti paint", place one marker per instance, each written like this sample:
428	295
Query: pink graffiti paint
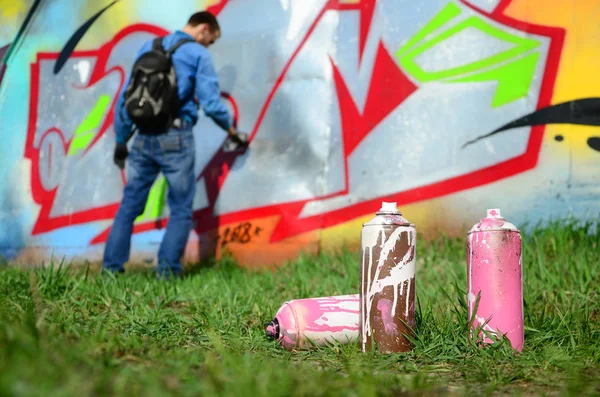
385	307
494	270
303	323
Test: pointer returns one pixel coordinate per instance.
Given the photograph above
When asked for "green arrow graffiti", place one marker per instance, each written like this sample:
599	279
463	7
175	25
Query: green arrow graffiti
86	130
512	69
514	79
448	13
85	134
156	201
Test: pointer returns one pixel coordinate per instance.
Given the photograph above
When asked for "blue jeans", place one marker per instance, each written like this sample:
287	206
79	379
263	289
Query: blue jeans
173	154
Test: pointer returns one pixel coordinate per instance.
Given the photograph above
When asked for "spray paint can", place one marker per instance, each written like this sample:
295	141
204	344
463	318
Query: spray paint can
303	323
494	270
387	281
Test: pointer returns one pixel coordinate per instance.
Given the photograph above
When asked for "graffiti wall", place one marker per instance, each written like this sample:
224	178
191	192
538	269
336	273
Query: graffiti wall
448	107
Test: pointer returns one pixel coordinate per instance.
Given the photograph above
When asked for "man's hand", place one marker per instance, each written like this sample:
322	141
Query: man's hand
120	155
232	131
235	137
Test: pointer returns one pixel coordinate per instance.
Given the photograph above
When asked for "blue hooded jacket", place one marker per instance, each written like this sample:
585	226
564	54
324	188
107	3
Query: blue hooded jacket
196	79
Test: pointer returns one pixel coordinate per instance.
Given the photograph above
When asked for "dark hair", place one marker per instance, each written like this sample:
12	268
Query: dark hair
204	17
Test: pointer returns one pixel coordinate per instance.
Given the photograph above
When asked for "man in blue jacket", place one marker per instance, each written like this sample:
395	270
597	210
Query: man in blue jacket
171	152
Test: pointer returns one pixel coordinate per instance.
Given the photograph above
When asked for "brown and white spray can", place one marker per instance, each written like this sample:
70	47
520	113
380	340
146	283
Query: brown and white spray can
387	282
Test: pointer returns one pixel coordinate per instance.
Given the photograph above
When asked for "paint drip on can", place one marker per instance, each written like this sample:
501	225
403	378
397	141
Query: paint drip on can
305	323
387	281
494	271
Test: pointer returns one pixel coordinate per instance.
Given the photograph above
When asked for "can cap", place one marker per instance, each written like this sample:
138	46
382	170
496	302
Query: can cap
272	329
388	214
493	221
388	208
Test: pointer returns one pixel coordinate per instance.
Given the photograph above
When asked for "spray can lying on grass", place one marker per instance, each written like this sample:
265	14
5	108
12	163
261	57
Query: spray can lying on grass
494	271
303	323
387	281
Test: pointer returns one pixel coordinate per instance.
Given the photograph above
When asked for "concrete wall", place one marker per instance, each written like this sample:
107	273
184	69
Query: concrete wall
348	103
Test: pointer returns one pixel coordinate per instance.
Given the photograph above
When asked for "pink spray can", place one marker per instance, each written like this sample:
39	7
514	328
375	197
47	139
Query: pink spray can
303	323
494	271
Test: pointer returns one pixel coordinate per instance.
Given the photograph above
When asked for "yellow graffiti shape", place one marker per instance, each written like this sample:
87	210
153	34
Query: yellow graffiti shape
209	3
11	10
12	14
579	64
117	18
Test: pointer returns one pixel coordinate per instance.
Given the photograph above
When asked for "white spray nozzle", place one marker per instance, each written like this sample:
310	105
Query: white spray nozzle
494	213
388	207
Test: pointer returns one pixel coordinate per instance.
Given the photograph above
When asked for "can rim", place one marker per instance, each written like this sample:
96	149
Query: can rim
388	224
492	230
388	213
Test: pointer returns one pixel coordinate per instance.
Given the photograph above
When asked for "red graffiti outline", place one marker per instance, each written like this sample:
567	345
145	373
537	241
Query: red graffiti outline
519	164
45	198
204	218
289	223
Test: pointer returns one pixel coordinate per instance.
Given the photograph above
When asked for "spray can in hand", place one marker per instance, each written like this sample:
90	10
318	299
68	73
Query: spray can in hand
237	143
494	271
304	323
387	281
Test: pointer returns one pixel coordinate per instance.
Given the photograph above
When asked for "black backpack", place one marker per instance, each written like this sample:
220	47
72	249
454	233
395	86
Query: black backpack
151	99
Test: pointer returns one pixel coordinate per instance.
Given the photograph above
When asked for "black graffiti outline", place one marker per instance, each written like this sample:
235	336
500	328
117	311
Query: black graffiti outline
32	10
6	51
69	47
583	111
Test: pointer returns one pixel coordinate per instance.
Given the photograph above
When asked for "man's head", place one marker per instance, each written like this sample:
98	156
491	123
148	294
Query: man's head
203	27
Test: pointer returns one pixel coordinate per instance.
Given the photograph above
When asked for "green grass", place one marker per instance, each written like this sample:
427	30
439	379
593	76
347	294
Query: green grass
68	332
